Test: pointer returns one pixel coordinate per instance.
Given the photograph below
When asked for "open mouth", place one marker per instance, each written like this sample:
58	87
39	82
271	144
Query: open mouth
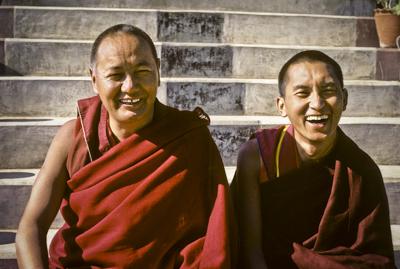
130	101
317	119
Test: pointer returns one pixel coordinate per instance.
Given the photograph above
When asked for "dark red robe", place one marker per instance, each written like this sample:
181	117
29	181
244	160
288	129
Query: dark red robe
330	215
158	199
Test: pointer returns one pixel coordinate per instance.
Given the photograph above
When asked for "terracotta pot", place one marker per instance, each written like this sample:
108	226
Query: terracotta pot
388	28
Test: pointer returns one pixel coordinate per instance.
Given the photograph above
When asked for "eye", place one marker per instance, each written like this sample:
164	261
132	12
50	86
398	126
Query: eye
329	91
116	76
301	93
143	71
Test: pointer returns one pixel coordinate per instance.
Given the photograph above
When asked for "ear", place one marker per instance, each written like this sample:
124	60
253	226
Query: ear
280	104
345	97
93	80
158	62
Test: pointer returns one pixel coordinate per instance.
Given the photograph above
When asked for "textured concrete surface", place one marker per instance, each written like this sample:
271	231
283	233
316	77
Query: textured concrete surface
381	141
42	97
214	98
12	203
24	146
337	7
43	58
374	101
8	264
190	27
253	28
78	24
260	99
265	62
366	33
393	194
385	71
13	200
282	29
199	61
6	22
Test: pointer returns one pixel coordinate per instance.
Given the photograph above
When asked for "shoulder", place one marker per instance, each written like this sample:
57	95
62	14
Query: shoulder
65	134
356	158
67	129
248	156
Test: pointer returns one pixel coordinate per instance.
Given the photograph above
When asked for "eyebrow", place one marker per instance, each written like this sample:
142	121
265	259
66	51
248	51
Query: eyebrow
301	86
142	63
331	83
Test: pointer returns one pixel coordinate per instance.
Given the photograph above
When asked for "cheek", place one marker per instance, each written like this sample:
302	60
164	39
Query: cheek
109	89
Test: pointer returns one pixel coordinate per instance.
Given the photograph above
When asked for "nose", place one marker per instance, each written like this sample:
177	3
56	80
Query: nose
317	102
128	84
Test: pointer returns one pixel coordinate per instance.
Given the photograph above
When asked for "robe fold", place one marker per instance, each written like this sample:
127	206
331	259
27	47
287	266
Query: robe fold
158	199
330	215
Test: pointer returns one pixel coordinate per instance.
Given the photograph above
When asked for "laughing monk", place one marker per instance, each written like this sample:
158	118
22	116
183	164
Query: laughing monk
139	184
307	196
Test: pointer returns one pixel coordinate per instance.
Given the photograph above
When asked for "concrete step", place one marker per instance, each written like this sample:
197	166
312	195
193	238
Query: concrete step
56	96
337	7
33	135
71	58
15	188
192	26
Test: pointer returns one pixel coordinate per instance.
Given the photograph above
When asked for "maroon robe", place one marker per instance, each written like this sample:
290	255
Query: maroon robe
158	199
330	215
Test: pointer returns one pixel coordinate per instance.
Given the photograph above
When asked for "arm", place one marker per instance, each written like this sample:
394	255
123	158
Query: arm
44	202
248	205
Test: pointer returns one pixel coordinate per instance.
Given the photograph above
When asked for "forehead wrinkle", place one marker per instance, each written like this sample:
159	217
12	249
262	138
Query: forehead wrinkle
307	73
118	51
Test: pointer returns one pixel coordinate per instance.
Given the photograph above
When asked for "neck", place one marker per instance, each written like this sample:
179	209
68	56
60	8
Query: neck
125	130
310	151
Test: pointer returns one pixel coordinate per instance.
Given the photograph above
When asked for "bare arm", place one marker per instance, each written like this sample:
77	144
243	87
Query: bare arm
44	202
249	206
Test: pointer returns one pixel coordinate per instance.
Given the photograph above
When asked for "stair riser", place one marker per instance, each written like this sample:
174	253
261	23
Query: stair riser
192	27
72	59
26	146
58	98
13	199
336	7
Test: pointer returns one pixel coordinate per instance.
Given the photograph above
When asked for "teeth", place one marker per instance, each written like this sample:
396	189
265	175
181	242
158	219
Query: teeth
317	118
129	101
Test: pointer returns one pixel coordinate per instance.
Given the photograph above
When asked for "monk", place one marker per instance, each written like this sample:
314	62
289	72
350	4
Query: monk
306	195
139	184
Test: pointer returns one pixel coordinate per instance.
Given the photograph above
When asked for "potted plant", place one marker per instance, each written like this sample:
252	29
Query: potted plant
387	21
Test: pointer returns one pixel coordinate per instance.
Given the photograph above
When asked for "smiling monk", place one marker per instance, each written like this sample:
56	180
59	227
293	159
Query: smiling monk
307	196
139	184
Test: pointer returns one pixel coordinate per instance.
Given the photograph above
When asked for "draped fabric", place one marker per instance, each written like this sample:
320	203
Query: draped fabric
330	215
157	199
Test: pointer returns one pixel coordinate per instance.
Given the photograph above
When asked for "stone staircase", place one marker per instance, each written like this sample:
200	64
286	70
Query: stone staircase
221	56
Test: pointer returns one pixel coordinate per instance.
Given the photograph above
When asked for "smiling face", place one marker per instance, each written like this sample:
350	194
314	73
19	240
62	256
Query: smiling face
126	77
313	102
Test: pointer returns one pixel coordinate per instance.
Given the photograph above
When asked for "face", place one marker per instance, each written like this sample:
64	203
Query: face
126	77
313	102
